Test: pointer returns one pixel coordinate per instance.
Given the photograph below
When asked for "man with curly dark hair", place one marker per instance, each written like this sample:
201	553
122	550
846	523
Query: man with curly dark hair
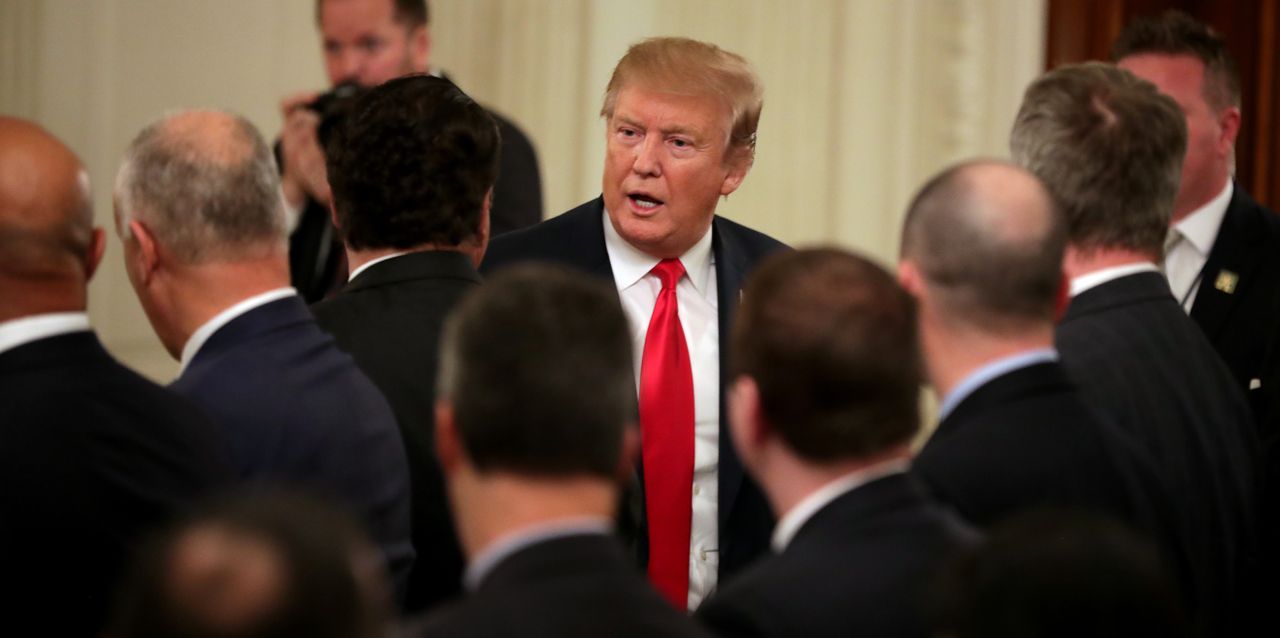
412	172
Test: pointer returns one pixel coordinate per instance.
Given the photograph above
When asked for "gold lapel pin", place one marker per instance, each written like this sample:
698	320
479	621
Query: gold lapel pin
1226	281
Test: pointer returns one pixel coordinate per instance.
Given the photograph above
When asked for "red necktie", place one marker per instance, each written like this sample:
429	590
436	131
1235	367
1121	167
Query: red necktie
666	433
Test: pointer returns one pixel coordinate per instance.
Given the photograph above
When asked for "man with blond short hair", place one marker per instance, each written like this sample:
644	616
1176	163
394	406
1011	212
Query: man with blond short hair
680	133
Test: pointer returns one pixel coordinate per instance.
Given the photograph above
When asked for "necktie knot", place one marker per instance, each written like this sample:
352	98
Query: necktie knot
668	271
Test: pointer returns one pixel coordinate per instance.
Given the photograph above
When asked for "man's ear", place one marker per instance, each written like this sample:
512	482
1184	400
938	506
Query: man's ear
148	253
1228	129
909	277
748	427
420	48
630	452
1062	299
740	160
481	239
448	445
97	247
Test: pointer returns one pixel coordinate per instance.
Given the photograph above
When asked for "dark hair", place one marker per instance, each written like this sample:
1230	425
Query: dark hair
1058	574
1176	33
538	366
985	270
1109	148
830	338
409	13
412	164
325	579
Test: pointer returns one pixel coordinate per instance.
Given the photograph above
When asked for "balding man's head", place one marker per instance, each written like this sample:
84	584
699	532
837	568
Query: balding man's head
988	245
47	242
205	184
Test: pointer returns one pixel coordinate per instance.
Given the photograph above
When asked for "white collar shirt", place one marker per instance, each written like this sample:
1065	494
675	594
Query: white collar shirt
202	334
373	262
1099	277
24	330
795	518
1184	262
698	304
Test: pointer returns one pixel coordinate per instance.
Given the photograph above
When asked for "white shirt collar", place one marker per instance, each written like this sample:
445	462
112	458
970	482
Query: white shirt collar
991	370
630	264
366	265
1099	277
24	330
1201	226
790	524
504	547
202	334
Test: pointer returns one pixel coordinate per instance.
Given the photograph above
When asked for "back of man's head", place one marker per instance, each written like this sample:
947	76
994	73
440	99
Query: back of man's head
413	165
46	216
537	366
1176	33
985	239
267	564
205	184
830	340
1109	148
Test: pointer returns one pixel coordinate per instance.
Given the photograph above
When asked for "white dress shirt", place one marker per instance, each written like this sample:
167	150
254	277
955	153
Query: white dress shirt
1099	277
202	334
24	330
1185	259
700	320
369	264
789	525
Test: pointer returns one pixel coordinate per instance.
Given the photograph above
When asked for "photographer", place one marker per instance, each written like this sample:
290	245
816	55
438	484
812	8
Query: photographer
366	43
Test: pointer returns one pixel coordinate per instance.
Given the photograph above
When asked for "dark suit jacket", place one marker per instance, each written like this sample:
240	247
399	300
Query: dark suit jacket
92	457
389	319
579	586
317	262
1244	325
1143	365
861	566
297	411
1026	440
576	239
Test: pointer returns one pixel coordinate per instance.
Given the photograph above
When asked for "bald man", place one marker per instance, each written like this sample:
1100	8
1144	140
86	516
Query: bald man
982	253
91	454
199	210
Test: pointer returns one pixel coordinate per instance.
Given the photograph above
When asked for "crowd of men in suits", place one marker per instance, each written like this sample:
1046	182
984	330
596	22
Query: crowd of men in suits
639	418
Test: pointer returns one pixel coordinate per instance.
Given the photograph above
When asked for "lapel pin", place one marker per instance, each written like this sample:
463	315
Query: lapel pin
1226	281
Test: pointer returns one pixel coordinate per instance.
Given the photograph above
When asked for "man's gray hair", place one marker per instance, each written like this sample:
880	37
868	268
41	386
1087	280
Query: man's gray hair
206	185
1109	148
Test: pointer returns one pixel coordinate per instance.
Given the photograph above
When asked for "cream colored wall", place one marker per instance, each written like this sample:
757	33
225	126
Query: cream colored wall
863	98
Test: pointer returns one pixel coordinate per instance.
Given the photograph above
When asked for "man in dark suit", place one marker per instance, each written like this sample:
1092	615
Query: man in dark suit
413	246
822	411
1109	148
198	208
366	43
681	122
91	454
1223	250
534	431
982	253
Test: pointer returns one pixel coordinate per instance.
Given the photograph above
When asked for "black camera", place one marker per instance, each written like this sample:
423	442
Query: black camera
333	107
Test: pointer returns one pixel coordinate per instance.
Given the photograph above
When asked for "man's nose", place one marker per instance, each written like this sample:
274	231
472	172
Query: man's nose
649	157
350	64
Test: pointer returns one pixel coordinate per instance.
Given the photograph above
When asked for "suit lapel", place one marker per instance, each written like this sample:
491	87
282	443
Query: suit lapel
1231	265
730	271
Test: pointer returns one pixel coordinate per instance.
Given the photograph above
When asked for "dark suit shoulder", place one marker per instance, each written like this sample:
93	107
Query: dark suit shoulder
574	238
861	566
